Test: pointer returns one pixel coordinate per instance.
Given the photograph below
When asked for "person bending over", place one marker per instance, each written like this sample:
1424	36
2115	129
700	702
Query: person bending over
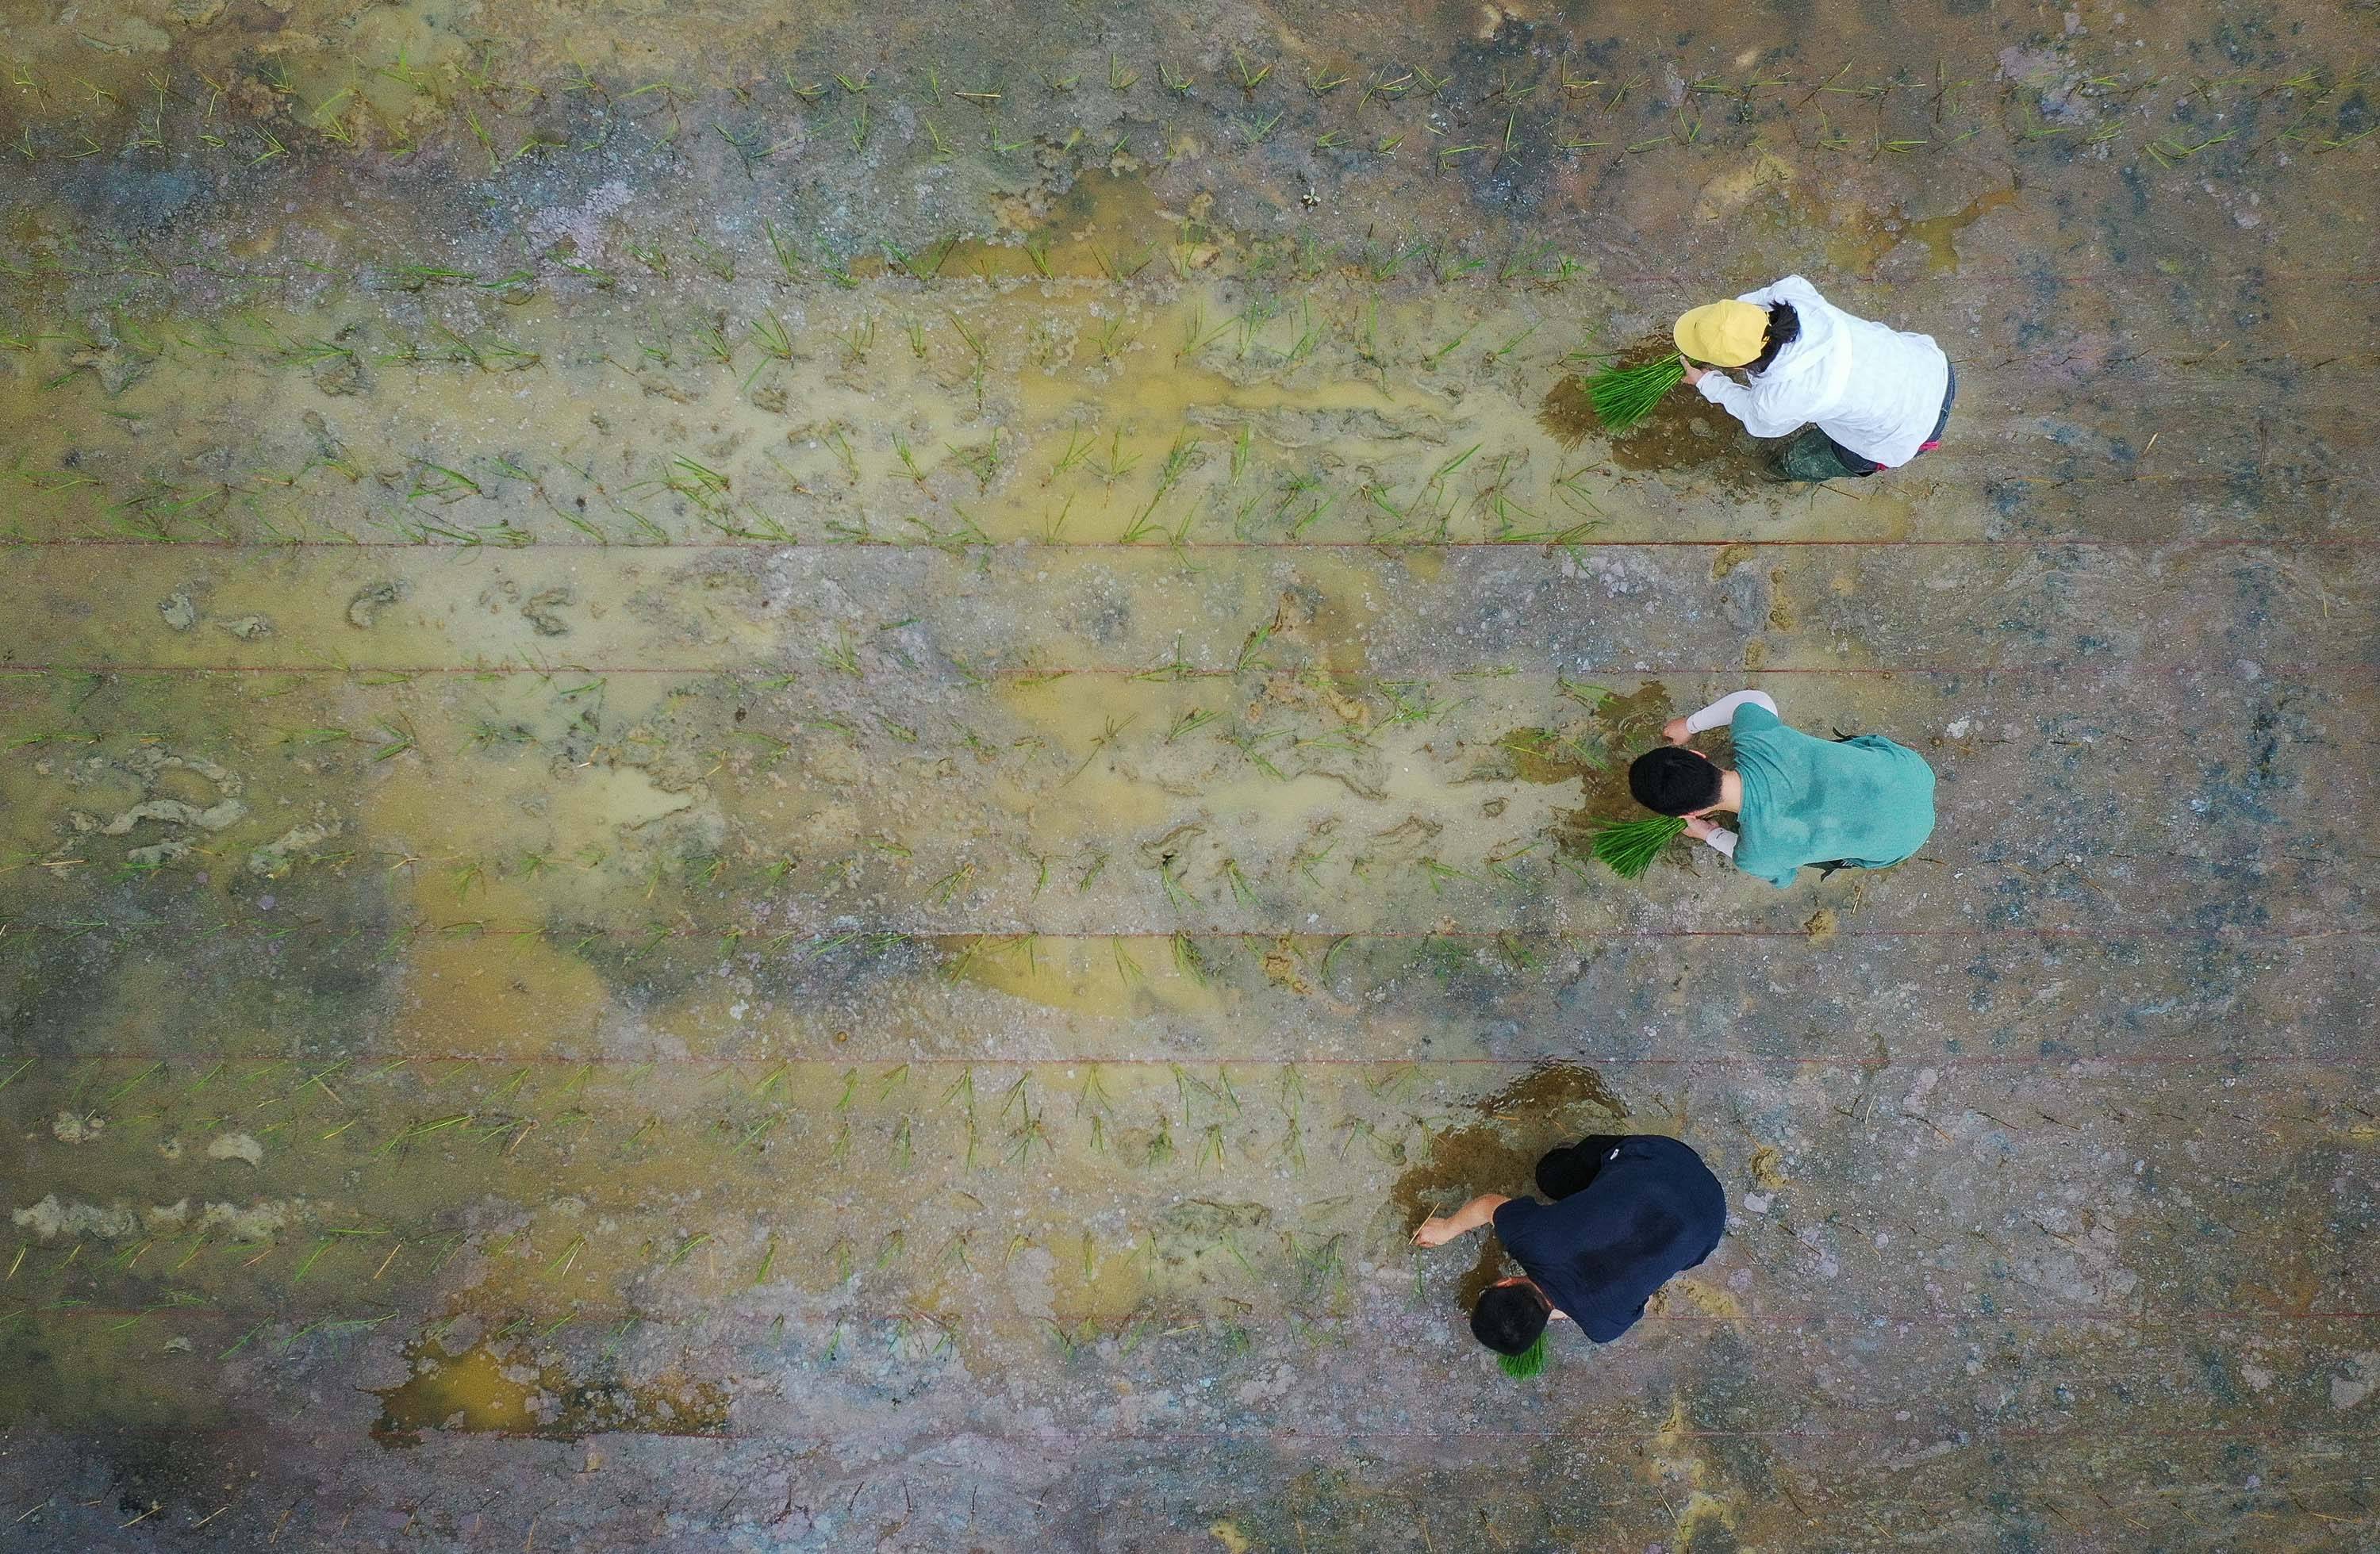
1857	801
1628	1212
1872	397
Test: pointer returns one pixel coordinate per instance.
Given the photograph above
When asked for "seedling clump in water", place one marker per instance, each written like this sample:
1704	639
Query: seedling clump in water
1624	395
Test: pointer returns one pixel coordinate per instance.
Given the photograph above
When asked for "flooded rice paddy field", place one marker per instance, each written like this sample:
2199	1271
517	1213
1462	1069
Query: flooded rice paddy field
780	781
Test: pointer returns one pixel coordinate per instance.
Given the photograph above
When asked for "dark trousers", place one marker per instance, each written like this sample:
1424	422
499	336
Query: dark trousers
1857	465
1568	1168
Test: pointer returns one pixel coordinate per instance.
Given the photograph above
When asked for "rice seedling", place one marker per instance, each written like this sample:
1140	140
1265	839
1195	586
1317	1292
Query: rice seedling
975	342
1500	352
1437	357
1625	396
1629	847
1529	1362
398	737
1119	271
1438	874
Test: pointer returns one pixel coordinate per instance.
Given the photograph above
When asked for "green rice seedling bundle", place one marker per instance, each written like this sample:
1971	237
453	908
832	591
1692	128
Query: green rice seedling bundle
1629	847
1624	395
1529	1362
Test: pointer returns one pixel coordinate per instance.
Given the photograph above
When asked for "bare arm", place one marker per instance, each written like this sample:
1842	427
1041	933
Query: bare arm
1440	1229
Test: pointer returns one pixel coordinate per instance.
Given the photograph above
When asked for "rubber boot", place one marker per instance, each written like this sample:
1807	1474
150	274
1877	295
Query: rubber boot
1810	455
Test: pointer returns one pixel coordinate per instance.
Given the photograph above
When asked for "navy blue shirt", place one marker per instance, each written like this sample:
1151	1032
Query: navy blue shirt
1654	1210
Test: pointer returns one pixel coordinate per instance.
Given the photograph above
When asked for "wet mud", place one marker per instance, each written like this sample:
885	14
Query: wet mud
788	780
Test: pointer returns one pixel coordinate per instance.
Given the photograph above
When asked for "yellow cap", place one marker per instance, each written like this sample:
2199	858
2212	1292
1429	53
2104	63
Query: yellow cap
1723	334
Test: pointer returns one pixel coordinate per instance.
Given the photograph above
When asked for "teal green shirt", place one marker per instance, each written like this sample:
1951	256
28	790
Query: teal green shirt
1864	800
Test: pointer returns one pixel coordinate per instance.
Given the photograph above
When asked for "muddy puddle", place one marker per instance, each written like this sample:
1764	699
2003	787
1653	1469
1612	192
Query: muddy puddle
1554	1105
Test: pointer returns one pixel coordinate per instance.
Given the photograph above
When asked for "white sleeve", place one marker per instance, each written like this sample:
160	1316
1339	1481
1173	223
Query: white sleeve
1723	710
1723	840
1744	406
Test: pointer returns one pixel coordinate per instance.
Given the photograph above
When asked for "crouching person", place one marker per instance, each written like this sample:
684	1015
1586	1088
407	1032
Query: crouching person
1856	801
1864	396
1627	1213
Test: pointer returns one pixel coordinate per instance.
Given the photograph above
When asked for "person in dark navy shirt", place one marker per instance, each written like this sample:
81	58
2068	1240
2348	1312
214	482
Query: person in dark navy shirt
1628	1212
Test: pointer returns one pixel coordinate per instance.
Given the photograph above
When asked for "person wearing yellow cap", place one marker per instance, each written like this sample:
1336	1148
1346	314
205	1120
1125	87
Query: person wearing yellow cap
1865	397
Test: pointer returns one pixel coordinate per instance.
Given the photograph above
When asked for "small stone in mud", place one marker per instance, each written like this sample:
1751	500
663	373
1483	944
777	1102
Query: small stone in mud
237	1146
273	860
76	1128
248	628
364	609
179	612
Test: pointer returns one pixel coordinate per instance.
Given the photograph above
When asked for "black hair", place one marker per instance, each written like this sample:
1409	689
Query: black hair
1509	1317
1564	1172
1784	328
1670	779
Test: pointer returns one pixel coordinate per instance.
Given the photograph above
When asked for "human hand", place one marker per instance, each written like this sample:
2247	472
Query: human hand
1436	1231
1694	374
1676	732
1700	829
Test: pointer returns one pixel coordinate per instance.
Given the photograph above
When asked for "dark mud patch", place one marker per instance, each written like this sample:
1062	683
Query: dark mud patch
1685	432
1553	1087
1552	1104
1623	728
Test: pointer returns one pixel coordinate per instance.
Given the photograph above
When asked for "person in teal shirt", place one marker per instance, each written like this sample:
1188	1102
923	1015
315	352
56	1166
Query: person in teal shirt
1857	801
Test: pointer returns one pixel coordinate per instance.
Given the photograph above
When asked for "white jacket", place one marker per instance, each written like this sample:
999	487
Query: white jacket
1876	391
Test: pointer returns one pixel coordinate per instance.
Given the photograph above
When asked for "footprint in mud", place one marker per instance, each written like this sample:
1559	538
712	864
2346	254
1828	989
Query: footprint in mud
364	609
1555	1103
542	609
153	771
